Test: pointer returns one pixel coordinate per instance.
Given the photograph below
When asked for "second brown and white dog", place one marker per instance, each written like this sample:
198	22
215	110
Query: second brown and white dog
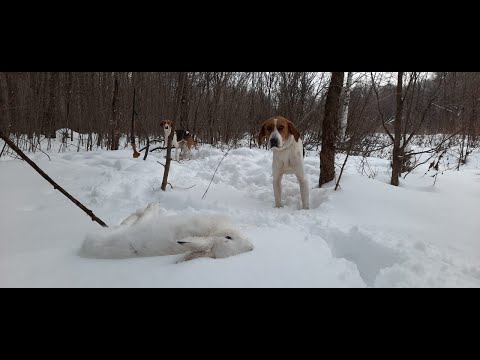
284	140
182	139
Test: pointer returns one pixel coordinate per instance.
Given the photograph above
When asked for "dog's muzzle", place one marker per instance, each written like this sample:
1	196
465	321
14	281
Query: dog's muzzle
273	142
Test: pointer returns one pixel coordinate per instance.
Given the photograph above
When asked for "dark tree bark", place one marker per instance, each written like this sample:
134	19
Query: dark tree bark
68	98
10	78
4	106
329	129
115	130
397	151
181	83
50	113
136	154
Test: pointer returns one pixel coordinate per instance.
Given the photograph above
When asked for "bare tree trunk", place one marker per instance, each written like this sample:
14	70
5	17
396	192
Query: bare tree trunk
68	97
181	83
50	115
12	119
329	129
4	108
346	102
397	151
115	131
136	154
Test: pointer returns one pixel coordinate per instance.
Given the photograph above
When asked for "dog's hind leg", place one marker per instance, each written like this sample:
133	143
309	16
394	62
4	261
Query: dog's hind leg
277	189
304	192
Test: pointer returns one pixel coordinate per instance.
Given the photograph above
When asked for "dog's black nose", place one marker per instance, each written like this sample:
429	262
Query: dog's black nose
181	242
274	142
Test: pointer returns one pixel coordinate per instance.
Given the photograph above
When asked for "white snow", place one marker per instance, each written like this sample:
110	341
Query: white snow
367	234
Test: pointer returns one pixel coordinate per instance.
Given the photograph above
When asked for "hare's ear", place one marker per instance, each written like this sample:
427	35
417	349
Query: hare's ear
293	130
196	243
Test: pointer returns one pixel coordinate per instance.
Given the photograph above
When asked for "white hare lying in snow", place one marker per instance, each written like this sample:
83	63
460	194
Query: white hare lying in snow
150	233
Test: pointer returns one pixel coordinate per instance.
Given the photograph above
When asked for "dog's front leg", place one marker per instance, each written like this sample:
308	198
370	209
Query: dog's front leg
277	189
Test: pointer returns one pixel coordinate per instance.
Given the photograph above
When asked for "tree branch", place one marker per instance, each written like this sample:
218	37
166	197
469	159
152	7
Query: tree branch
49	179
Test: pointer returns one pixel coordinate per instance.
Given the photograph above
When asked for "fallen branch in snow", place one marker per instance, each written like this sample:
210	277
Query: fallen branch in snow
150	141
215	173
1	152
158	148
49	179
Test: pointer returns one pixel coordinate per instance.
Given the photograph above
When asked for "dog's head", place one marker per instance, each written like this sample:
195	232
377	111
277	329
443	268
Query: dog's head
167	125
277	130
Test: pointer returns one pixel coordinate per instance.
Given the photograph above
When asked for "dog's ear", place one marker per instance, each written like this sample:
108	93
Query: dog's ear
261	135
162	124
293	130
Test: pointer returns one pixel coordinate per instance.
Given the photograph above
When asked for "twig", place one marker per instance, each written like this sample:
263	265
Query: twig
215	173
158	147
161	163
49	179
185	188
36	147
148	144
176	187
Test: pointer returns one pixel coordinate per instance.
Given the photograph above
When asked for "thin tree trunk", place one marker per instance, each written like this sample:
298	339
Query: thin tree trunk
181	83
346	103
136	154
5	120
68	98
115	131
50	115
397	151
329	129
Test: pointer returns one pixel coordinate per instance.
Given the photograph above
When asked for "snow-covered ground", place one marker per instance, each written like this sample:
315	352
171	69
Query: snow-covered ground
367	234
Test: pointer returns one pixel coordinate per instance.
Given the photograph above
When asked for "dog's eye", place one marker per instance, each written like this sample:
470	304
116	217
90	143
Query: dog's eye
228	237
269	128
281	128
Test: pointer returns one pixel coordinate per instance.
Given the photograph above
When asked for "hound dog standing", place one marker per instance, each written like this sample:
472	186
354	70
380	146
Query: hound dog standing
284	140
182	139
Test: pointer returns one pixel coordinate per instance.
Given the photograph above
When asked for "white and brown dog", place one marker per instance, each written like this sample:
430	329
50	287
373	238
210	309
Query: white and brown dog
284	140
182	139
